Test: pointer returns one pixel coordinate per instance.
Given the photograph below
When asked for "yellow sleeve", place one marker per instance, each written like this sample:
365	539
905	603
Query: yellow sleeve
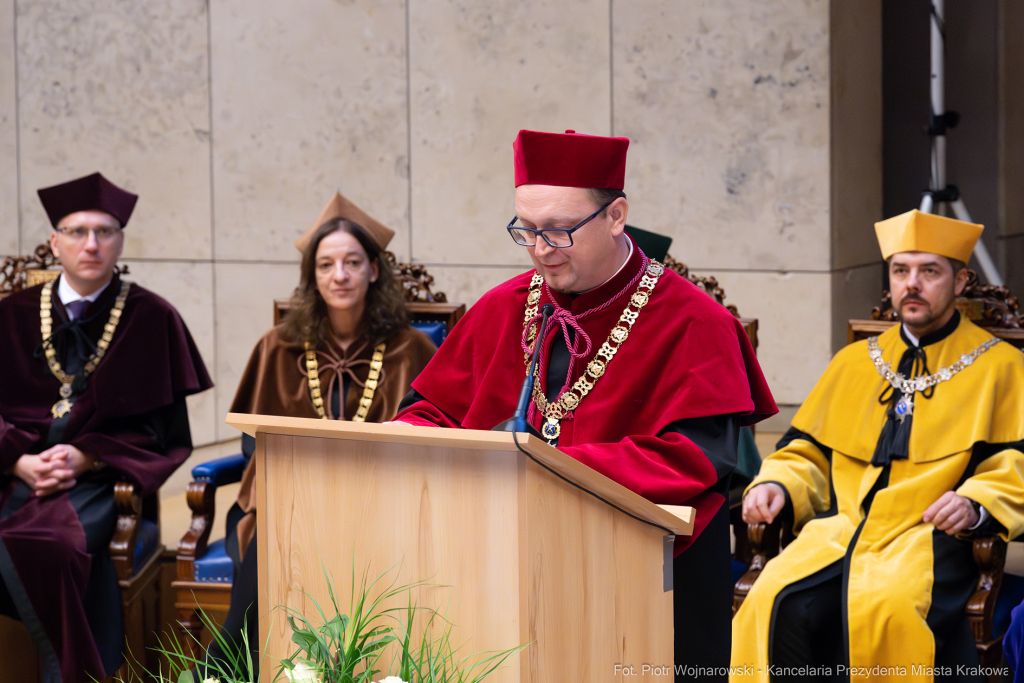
802	469
998	484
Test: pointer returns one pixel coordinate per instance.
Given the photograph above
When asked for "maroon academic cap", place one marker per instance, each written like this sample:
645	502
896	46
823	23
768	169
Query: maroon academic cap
91	193
570	160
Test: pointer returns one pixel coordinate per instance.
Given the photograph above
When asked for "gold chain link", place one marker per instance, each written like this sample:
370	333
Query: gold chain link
571	398
63	406
313	375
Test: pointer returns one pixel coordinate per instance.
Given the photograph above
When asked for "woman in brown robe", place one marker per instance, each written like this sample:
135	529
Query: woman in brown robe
347	326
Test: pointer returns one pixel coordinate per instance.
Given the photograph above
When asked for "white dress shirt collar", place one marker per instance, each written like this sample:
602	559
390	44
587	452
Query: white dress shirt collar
68	294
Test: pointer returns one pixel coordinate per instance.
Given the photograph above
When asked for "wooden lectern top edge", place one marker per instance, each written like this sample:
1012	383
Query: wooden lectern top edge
678	519
395	432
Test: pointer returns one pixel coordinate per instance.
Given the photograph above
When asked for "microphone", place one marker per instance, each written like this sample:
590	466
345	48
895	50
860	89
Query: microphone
517	423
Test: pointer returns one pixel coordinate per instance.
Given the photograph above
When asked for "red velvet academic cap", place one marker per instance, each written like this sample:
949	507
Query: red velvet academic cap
570	160
91	193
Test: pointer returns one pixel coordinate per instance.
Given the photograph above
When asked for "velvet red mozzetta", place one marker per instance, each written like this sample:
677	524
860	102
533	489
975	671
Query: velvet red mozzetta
686	357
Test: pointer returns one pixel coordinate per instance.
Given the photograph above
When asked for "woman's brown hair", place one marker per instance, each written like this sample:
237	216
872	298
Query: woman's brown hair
385	312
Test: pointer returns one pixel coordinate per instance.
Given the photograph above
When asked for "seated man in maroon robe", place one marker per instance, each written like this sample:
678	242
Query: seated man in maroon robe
94	372
642	376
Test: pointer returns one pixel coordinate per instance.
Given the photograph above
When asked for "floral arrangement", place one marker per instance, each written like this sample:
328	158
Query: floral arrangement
347	646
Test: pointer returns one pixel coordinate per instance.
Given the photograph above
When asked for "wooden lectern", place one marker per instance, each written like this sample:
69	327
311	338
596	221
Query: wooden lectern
514	554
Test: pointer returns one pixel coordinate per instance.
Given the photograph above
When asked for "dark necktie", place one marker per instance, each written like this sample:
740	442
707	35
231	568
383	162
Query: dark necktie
77	308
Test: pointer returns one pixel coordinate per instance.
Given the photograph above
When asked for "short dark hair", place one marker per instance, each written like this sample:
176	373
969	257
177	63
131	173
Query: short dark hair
604	195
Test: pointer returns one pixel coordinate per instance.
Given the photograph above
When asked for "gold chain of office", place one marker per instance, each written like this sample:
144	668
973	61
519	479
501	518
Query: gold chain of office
908	387
313	375
571	398
63	406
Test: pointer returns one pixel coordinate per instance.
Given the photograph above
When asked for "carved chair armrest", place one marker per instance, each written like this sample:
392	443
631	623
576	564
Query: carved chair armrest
990	556
128	505
201	497
763	543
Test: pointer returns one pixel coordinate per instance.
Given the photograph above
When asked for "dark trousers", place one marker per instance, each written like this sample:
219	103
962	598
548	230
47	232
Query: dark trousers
242	616
702	600
807	631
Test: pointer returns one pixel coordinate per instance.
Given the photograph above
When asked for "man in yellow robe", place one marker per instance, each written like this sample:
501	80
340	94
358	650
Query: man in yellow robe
909	444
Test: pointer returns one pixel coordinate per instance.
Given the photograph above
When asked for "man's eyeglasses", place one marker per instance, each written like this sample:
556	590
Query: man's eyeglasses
556	237
103	234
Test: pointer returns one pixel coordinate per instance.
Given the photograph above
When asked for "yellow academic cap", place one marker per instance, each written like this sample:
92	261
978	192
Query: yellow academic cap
340	207
916	231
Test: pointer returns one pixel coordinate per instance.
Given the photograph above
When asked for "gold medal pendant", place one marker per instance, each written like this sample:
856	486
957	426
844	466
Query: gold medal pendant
551	429
61	408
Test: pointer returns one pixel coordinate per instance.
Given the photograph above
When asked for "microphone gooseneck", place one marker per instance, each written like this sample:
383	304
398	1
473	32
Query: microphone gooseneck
517	423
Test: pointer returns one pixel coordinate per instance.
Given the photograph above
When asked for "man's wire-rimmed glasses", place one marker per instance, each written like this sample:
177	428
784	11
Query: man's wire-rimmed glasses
560	238
104	234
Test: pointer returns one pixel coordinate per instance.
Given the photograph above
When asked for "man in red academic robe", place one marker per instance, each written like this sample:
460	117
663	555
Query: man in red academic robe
642	376
94	372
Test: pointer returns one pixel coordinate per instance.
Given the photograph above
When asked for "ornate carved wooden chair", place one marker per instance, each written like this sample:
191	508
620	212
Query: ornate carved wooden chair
135	547
749	459
204	570
998	311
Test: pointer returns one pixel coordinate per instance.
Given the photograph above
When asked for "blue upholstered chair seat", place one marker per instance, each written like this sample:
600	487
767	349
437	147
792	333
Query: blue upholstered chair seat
437	331
215	566
147	542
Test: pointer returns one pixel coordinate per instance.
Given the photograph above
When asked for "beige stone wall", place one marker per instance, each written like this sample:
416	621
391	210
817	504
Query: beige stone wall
235	120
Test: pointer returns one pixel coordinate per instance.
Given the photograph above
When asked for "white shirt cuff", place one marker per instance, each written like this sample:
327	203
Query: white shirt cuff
982	516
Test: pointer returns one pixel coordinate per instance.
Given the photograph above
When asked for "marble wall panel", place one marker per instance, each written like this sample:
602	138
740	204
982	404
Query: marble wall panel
856	147
855	292
465	285
188	287
306	102
479	72
795	331
245	294
727	108
8	133
121	88
1011	118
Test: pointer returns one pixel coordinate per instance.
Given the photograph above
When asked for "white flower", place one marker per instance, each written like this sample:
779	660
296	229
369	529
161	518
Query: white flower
391	679
303	673
211	680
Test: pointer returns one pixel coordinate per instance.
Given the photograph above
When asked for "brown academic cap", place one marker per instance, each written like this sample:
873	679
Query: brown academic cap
91	193
340	207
